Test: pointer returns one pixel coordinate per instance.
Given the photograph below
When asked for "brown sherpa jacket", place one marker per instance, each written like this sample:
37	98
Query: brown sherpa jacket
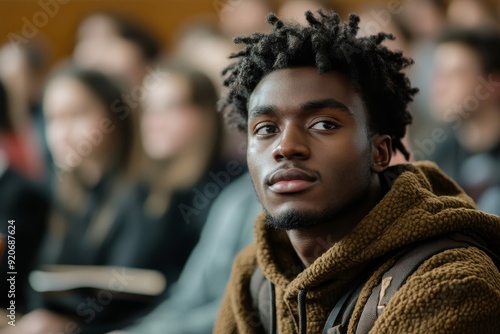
456	291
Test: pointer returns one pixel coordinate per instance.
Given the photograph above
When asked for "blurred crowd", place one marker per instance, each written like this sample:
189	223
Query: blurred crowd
117	157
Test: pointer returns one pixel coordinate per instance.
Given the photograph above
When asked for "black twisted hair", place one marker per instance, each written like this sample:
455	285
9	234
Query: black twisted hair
328	44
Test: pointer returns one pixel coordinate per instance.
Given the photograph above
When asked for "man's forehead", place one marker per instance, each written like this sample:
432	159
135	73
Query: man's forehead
293	87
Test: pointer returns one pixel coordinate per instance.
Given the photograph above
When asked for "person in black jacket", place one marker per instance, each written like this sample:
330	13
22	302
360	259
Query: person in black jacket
181	135
24	207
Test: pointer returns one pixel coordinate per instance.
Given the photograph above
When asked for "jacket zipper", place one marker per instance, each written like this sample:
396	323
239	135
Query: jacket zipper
273	309
302	312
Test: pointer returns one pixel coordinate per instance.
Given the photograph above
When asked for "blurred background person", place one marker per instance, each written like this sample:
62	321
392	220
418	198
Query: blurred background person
202	45
466	100
116	45
22	70
473	13
193	302
121	47
243	17
420	22
206	43
24	205
375	19
181	135
89	133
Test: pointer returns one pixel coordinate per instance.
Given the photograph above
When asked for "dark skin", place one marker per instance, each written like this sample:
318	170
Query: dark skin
310	154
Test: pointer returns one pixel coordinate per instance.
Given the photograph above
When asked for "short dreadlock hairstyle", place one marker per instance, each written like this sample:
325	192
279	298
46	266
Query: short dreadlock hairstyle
327	44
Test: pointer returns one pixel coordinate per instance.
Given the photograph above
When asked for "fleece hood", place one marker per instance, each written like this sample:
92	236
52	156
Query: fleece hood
422	203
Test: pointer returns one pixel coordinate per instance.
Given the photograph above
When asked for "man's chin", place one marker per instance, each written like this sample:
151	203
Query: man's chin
296	219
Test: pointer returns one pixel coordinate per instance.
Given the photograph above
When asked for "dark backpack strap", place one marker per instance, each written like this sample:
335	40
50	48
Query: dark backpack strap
262	293
392	280
397	275
339	317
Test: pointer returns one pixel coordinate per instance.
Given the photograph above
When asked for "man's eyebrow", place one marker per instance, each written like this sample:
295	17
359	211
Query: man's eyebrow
261	110
325	104
306	106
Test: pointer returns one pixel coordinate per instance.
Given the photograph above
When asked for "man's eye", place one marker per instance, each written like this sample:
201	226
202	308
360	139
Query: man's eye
266	130
323	125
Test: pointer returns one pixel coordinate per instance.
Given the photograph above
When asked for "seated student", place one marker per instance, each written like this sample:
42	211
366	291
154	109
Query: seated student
23	217
324	110
193	302
180	132
116	45
181	135
91	146
467	97
22	70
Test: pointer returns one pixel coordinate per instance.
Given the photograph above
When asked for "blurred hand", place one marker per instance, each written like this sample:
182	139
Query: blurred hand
41	322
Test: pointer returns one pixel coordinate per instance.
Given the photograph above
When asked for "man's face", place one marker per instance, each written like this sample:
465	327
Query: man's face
309	152
171	123
455	78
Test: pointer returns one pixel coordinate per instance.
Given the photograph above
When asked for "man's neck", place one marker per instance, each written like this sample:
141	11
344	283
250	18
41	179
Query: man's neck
310	243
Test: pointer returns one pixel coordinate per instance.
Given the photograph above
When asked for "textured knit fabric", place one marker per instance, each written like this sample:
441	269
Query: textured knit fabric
456	291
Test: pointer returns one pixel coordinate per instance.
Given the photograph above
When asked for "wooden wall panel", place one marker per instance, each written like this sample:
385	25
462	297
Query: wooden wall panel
162	16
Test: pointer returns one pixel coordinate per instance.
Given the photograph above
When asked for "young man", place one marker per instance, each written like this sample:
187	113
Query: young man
467	96
324	112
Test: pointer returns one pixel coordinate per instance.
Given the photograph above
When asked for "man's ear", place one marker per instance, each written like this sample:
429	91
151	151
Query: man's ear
381	152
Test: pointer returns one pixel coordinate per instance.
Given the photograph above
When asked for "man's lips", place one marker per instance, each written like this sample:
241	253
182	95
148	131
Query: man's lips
291	181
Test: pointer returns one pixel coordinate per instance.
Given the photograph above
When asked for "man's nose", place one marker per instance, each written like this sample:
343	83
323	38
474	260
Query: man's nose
292	144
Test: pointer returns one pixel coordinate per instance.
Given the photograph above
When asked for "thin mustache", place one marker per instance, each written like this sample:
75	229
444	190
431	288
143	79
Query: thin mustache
290	165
